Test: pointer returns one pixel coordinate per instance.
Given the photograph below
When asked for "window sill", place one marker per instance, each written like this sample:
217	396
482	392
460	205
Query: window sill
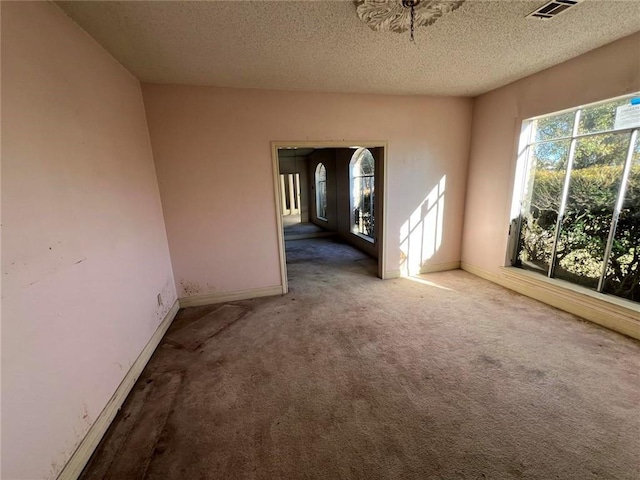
516	272
322	219
364	237
612	312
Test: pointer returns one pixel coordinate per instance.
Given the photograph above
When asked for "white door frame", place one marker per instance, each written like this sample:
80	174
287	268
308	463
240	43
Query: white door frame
382	247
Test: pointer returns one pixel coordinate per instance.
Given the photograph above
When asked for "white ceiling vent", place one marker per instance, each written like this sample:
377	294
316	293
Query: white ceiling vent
553	8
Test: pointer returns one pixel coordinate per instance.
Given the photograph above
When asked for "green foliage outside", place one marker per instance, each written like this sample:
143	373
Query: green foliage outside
593	191
363	216
585	227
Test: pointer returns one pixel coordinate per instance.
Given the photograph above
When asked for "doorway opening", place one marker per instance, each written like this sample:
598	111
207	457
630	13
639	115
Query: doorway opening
330	200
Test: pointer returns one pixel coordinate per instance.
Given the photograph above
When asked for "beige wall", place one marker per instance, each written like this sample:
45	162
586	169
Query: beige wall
220	215
607	72
84	251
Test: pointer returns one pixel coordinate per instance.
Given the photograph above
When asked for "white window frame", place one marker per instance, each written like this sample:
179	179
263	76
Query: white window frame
354	174
321	185
524	157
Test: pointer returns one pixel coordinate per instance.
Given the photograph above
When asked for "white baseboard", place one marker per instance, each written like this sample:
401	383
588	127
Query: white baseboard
482	273
437	267
440	267
389	274
607	311
212	298
82	454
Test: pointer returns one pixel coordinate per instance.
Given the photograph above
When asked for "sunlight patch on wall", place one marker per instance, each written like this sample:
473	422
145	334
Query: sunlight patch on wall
421	234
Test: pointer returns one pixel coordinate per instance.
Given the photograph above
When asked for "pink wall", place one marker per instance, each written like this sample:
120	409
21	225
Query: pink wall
84	246
85	251
603	73
213	158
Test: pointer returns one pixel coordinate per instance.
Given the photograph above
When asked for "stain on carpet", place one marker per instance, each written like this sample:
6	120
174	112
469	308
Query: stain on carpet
129	447
193	335
490	360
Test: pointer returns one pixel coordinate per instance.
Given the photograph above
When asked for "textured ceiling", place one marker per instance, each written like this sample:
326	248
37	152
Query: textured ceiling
323	46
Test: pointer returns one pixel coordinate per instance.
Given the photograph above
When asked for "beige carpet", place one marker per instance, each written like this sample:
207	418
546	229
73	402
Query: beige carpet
350	377
300	231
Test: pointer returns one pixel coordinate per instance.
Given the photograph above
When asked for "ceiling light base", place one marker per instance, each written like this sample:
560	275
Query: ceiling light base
395	15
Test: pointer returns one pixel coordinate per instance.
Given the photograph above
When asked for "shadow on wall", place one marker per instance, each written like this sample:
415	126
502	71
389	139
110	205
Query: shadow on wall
421	234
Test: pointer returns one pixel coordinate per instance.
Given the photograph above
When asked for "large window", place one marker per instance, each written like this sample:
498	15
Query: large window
321	192
362	170
580	199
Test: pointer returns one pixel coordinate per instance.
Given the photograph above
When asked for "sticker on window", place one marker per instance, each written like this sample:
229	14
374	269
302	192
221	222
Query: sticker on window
627	116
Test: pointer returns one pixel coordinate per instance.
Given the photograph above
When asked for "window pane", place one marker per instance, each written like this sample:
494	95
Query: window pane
365	164
593	191
599	117
322	199
362	184
321	189
623	272
367	202
541	203
321	173
556	126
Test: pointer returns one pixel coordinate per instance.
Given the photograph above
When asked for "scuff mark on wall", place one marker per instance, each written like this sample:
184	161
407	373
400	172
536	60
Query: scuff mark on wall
80	430
54	470
190	289
26	276
165	300
85	414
